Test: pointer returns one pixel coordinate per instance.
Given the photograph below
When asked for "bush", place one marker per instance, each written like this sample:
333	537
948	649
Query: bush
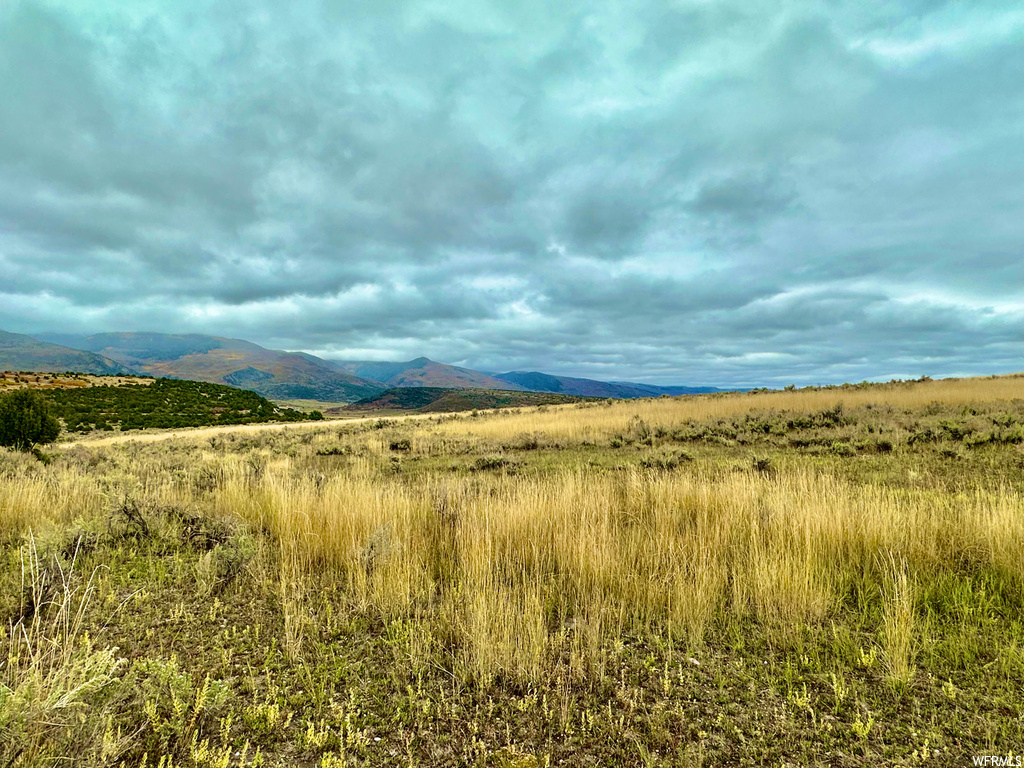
665	460
26	421
640	431
492	462
840	448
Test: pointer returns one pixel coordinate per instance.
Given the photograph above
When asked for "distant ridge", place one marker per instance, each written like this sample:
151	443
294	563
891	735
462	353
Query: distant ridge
19	352
567	385
424	372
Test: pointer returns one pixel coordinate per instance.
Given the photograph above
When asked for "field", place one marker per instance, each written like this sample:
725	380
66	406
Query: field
11	380
329	409
811	577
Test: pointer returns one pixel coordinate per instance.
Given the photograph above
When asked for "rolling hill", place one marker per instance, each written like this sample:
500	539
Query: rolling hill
19	352
162	404
446	400
271	373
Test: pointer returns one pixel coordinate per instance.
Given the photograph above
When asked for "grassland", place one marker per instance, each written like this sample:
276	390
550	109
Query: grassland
11	380
828	577
330	409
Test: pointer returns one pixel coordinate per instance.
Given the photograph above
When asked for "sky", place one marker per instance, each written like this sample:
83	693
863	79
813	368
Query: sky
734	193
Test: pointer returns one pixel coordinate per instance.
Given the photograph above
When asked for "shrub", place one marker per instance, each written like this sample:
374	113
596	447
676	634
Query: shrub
333	450
26	421
639	430
840	448
492	462
525	441
665	460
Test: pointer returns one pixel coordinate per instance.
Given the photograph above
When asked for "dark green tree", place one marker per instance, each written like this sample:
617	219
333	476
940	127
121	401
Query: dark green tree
26	421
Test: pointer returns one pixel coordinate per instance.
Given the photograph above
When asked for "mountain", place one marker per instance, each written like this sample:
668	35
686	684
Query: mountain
300	376
446	400
271	373
19	352
567	385
423	372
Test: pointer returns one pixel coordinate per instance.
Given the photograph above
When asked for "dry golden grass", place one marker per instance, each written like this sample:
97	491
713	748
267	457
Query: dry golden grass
511	562
599	421
30	502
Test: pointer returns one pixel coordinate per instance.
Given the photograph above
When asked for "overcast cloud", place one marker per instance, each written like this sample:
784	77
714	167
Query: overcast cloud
724	193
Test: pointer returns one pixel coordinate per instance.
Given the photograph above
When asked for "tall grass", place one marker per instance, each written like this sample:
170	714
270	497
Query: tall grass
499	572
898	592
511	566
49	670
25	501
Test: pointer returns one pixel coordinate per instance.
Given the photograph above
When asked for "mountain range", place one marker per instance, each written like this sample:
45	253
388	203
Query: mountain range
282	375
271	373
567	385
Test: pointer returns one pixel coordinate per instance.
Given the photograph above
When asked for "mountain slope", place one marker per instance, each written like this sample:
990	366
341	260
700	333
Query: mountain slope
271	373
19	352
423	372
568	385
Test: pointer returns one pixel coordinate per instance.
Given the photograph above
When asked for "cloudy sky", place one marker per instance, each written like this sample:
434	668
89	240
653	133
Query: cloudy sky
696	192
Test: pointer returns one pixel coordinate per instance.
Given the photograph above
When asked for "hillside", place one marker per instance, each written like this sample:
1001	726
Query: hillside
567	385
447	400
11	380
271	373
162	403
19	352
423	372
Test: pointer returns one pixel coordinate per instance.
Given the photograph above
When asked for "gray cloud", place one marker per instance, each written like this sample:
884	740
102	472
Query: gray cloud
727	193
